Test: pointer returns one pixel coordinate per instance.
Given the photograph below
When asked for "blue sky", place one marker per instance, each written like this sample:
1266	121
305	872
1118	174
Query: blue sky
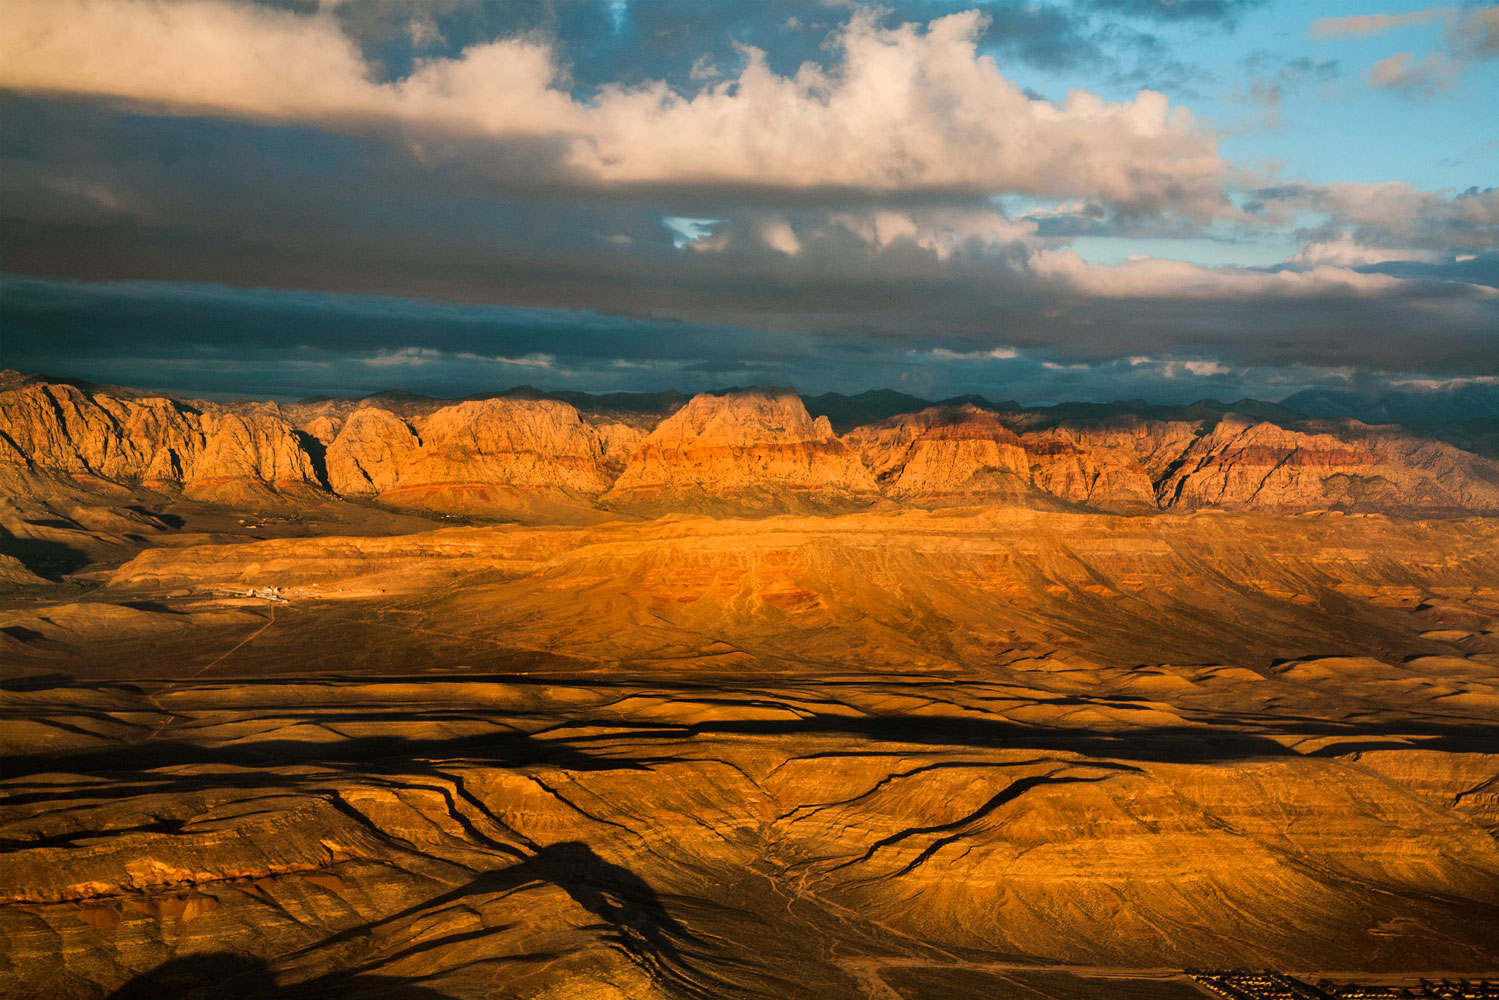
1032	200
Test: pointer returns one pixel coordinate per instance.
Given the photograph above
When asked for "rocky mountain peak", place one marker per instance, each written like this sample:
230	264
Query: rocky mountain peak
751	449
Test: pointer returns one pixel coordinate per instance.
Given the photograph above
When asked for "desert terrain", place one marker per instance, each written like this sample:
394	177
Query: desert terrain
738	695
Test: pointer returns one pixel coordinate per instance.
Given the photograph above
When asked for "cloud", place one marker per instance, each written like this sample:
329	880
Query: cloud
192	337
1476	36
908	108
1364	25
1346	251
778	235
1274	77
997	353
1148	278
943	232
1389	213
1225	12
1470	34
1473	32
1432	75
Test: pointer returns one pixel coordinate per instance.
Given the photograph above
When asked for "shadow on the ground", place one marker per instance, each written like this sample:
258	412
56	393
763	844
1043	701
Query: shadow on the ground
597	745
630	916
47	559
223	975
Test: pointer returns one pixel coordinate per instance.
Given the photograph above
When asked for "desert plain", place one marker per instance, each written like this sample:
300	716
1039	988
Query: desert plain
742	695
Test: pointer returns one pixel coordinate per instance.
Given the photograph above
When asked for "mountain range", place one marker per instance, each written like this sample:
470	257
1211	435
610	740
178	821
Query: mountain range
536	456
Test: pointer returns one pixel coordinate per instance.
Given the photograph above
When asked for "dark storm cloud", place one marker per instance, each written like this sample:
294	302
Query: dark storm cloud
843	284
97	195
212	340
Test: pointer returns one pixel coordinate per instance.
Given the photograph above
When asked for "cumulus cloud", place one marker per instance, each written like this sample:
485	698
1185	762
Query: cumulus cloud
778	235
941	231
1346	251
906	108
1389	214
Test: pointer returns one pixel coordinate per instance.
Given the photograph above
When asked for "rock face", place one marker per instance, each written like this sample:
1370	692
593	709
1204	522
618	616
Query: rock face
1245	464
529	445
754	450
152	441
1120	463
1110	464
957	455
943	454
746	452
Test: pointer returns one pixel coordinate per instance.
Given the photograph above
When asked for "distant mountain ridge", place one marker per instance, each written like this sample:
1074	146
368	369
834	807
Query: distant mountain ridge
524	453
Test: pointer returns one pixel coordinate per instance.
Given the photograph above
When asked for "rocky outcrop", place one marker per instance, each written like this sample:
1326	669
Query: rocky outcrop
525	445
944	454
1246	464
1126	462
152	441
1110	465
966	454
752	450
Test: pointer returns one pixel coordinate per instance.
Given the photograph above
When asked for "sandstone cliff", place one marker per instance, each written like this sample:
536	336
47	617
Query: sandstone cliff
752	450
462	454
1108	464
153	441
1246	464
965	454
950	455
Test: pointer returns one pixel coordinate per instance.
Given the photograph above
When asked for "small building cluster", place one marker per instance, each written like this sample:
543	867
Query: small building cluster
1246	985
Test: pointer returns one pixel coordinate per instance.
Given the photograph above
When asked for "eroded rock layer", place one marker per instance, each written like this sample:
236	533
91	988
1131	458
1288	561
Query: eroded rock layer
749	451
753	450
149	440
995	752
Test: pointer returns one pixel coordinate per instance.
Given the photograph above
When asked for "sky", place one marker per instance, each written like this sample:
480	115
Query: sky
1037	201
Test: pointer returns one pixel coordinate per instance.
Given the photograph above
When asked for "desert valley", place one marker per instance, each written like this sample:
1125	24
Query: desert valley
741	695
797	500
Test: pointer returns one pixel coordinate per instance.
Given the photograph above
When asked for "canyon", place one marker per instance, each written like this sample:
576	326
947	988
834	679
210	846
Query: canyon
738	695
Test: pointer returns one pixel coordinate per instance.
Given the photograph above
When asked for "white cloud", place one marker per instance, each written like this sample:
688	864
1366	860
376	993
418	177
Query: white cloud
1394	213
405	357
1345	251
1206	368
908	108
1171	279
778	235
525	361
997	354
942	231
